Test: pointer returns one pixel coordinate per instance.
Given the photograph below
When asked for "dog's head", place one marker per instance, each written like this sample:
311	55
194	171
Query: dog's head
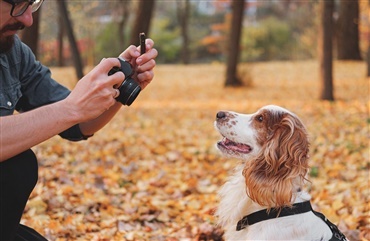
274	144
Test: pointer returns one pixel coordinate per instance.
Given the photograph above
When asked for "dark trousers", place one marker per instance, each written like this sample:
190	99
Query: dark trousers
18	177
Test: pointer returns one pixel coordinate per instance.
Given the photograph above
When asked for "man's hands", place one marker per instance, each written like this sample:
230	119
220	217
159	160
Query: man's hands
143	65
91	104
94	93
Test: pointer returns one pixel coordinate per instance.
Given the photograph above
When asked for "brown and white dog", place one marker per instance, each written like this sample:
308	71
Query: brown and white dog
264	198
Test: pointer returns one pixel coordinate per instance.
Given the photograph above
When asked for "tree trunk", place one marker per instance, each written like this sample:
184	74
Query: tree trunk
30	35
326	49
368	59
60	40
347	31
233	44
142	22
72	42
123	7
368	46
183	10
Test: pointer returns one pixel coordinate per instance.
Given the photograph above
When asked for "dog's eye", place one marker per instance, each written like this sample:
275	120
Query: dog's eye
259	118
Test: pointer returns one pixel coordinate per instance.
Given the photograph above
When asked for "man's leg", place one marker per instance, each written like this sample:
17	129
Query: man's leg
18	177
25	233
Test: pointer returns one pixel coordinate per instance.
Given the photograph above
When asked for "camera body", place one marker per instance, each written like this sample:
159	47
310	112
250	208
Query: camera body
129	89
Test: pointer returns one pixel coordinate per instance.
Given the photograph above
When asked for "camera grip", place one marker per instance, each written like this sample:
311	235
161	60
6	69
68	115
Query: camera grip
125	68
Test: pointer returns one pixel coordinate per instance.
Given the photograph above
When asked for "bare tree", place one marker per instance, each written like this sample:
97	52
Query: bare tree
61	33
347	30
123	7
368	60
368	47
183	11
326	49
368	57
142	21
234	44
72	41
30	35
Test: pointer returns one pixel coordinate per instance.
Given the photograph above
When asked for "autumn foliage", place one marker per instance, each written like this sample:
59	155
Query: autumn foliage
153	173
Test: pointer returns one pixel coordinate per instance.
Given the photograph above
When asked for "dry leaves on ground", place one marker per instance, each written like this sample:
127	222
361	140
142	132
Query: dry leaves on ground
153	172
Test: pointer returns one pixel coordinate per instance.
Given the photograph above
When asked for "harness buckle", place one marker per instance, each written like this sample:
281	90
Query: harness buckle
243	223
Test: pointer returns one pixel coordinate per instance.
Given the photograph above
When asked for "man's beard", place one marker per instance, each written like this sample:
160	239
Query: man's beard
6	42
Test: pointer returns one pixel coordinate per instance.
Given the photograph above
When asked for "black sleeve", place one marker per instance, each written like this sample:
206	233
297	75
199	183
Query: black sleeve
74	134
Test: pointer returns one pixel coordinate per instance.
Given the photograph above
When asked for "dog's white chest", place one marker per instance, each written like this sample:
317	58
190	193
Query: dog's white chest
235	204
234	201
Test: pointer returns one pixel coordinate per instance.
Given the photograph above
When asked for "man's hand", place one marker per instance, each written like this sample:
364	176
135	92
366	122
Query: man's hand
143	65
94	93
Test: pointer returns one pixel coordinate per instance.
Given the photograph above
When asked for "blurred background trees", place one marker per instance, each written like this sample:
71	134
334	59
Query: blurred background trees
142	20
233	46
348	45
199	31
271	30
326	49
66	25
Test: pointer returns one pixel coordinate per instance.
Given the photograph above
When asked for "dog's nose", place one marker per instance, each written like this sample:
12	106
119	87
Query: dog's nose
220	115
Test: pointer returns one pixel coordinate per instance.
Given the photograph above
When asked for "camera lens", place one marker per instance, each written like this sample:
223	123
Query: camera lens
129	90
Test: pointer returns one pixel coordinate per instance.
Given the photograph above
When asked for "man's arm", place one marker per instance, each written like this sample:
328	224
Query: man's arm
91	103
92	96
23	131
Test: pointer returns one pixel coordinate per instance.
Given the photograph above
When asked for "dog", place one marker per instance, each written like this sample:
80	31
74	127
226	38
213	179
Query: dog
264	198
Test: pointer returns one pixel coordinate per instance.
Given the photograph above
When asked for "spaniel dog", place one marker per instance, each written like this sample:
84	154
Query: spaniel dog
264	199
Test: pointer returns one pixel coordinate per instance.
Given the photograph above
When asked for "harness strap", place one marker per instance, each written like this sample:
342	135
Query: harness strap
264	215
337	234
297	208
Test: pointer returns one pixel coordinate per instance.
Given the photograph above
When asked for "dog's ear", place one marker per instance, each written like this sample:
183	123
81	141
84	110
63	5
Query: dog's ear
283	161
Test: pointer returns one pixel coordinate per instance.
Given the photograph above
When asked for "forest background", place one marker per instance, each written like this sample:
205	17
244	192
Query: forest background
153	173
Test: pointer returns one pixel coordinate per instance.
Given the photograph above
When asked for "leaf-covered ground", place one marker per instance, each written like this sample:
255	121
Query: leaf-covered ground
153	172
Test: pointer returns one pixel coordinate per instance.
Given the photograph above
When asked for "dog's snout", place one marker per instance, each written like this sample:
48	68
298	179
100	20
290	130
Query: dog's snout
220	115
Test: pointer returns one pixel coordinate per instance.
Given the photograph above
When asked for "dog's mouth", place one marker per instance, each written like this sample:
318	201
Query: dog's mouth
234	146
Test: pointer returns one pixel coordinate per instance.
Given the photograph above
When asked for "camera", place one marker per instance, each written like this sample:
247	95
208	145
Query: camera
129	89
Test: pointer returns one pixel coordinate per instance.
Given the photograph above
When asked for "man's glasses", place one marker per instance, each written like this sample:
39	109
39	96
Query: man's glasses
20	6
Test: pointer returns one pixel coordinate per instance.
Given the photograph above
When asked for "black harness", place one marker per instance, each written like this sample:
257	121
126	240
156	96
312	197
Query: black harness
297	208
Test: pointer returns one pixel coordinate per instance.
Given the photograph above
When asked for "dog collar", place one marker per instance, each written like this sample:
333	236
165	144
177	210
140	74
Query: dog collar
297	208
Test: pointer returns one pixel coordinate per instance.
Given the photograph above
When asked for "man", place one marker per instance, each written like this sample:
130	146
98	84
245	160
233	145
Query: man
46	109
